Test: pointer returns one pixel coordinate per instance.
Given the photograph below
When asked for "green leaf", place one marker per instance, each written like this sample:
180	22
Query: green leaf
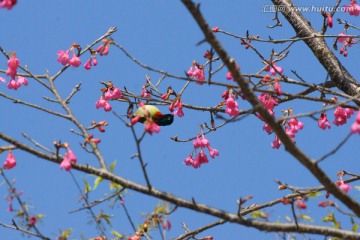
115	186
66	233
116	234
87	187
306	218
112	166
355	227
40	216
97	182
314	194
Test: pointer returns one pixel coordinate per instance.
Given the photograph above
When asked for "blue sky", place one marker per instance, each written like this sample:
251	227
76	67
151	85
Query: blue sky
162	35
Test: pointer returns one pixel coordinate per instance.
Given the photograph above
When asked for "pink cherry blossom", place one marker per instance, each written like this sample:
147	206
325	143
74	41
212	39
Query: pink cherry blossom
197	142
13	84
268	101
32	221
277	88
178	106
329	20
63	57
10	161
201	157
3	80
213	152
151	127
23	81
229	75
323	122
88	64
102	103
341	38
295	125
197	73
300	204
276	143
188	161
71	156
267	128
9	4
204	142
145	93
343	186
341	114
113	93
353	9
274	69
231	106
13	63
355	127
215	29
74	61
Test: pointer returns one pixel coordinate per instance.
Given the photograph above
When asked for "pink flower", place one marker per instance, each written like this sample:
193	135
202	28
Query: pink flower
213	152
300	204
71	156
231	106
102	103
343	186
95	61
197	142
276	143
277	88
13	84
229	75
10	161
74	61
11	72
179	112
295	125
3	80
63	57
352	8
266	78
268	101
113	93
267	128
178	104
151	127
13	63
145	93
204	142
329	20
274	69
355	127
340	38
22	81
201	157
341	114
215	29
189	160
323	122
104	50
197	73
32	221
8	4
88	64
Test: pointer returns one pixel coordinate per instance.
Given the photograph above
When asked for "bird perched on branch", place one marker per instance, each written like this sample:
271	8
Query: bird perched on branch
151	113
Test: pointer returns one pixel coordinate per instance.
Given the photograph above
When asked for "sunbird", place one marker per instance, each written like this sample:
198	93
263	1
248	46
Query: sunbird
146	112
